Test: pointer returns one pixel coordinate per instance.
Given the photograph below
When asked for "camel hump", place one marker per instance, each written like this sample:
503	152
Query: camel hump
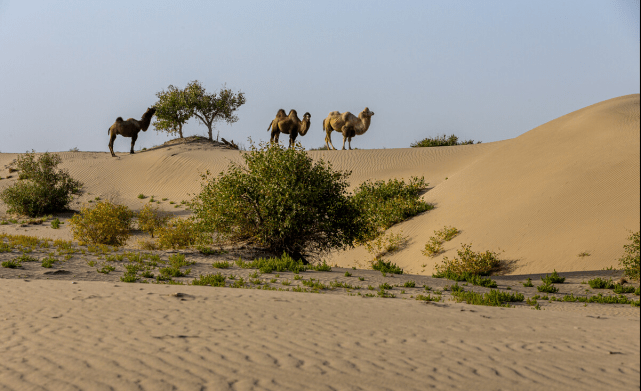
119	119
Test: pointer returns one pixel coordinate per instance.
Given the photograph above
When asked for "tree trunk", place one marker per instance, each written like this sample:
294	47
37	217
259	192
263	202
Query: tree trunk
180	133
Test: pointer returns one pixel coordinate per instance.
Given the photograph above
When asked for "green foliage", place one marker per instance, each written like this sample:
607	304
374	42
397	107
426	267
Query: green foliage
210	279
473	279
209	108
384	244
441	141
600	283
150	219
384	204
221	265
172	111
106	269
528	283
409	284
386	267
55	224
598	299
548	288
48	261
553	279
321	267
435	245
620	289
42	189
281	200
630	260
268	265
173	271
12	264
5	248
178	233
429	297
178	260
494	298
468	261
104	223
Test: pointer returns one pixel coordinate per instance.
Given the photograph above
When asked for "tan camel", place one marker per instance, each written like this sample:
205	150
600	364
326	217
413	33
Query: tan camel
290	125
130	128
347	124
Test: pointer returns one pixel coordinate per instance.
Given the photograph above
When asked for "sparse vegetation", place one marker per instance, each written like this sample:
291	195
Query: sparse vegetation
210	279
630	260
547	288
42	188
494	298
386	267
600	283
435	244
104	223
528	283
178	233
553	279
441	141
384	244
150	219
468	261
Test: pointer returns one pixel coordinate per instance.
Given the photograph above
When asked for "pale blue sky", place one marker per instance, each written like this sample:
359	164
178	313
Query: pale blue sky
483	70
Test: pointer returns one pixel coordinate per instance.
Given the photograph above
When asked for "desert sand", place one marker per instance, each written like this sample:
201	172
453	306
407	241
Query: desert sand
567	187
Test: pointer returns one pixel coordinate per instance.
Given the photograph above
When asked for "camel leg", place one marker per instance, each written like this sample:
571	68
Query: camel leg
111	144
328	139
349	141
344	139
292	139
133	141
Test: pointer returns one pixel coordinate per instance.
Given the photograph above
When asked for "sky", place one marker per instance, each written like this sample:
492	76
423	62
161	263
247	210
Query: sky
482	70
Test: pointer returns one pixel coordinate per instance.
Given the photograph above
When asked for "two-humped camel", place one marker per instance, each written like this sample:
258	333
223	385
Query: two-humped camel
290	125
130	128
347	124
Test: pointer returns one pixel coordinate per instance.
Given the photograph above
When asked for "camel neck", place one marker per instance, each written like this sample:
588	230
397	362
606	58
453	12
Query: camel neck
364	125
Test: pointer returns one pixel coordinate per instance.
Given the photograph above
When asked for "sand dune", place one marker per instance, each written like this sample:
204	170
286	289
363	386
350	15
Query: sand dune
566	187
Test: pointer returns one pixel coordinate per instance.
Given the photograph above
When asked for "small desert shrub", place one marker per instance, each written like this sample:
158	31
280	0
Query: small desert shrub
553	279
473	279
620	289
150	219
409	284
42	189
106	269
5	248
386	267
178	233
435	244
428	297
528	283
441	141
12	264
210	279
282	200
384	244
384	204
494	298
55	224
104	223
630	260
148	245
268	265
221	265
48	262
600	283
468	261
547	288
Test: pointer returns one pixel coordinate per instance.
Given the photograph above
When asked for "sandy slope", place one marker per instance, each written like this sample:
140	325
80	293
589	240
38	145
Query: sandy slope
568	186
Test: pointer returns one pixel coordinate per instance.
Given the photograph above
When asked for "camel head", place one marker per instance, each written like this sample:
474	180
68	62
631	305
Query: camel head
146	118
366	113
305	124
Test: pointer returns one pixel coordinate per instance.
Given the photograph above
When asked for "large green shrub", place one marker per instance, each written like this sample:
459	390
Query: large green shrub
281	200
104	223
441	141
151	219
630	260
468	261
384	204
42	188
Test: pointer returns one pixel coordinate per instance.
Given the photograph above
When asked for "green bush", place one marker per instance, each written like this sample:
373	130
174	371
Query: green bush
494	298
104	223
150	219
386	267
473	279
554	278
268	265
630	260
178	233
384	204
42	189
281	200
600	283
468	261
210	279
547	288
441	141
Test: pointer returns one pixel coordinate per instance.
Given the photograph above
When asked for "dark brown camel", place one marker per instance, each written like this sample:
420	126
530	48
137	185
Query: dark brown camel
290	125
130	128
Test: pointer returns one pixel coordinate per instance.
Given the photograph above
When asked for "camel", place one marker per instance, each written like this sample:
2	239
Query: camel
346	123
290	125
130	128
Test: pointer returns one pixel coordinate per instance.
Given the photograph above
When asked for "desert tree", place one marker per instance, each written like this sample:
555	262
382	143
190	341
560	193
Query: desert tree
209	108
172	111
